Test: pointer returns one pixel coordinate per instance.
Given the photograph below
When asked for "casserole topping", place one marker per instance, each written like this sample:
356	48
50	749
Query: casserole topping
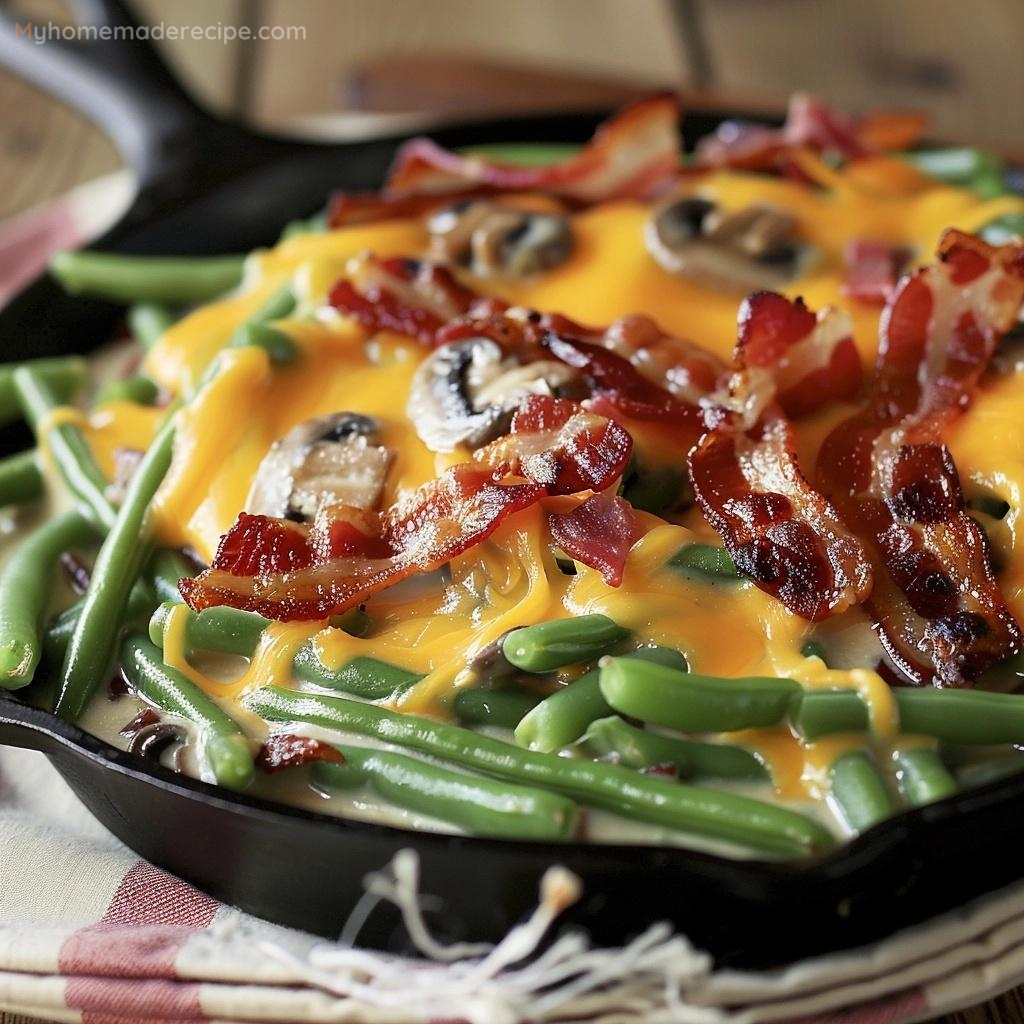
564	486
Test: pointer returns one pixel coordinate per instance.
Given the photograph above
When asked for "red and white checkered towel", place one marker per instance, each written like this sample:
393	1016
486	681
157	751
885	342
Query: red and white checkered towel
90	933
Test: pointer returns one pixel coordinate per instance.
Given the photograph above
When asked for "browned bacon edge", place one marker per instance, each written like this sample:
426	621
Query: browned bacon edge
290	571
630	155
940	611
781	532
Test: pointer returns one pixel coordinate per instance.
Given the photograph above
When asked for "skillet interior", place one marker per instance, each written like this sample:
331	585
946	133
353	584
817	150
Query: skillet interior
305	870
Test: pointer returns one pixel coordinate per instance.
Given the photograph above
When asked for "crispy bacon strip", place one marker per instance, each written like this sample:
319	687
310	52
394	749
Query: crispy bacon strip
780	532
787	354
871	269
346	209
940	611
684	369
619	383
810	124
290	571
598	532
409	296
630	156
285	750
557	444
638	370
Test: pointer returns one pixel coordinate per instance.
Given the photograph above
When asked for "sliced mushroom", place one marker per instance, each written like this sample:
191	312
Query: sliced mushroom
749	249
149	735
322	461
466	392
493	240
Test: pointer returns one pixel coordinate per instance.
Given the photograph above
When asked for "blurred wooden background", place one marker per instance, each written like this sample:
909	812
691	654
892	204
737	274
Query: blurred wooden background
960	62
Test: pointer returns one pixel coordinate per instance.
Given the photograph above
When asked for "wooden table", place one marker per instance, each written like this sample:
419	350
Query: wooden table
45	150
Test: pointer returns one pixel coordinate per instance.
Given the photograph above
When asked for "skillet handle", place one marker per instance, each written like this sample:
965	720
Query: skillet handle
119	83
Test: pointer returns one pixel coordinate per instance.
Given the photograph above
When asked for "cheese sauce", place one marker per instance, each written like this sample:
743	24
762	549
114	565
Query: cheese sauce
437	626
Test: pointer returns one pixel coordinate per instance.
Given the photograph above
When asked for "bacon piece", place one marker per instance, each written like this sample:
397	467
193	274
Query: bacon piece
687	371
284	750
349	208
598	532
434	524
891	130
290	571
781	532
630	156
787	354
810	124
871	269
941	614
643	373
557	444
620	382
412	297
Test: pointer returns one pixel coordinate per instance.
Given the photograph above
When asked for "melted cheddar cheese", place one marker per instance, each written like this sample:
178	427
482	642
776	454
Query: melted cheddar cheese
435	628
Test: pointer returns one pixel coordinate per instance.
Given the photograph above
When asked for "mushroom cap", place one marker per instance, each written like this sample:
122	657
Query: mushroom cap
752	249
322	461
466	392
498	240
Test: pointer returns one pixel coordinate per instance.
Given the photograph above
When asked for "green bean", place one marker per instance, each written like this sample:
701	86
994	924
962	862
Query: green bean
91	649
922	776
315	225
20	479
166	568
58	635
148	321
66	445
981	773
160	279
640	748
1003	229
502	708
563	717
222	629
708	561
227	750
973	168
138	389
64	375
812	649
655	490
280	305
525	154
355	622
233	631
953	716
362	677
859	792
694	703
279	346
727	816
550	645
479	806
25	584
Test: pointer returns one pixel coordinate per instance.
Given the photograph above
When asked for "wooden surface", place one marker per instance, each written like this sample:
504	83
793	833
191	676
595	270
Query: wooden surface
45	150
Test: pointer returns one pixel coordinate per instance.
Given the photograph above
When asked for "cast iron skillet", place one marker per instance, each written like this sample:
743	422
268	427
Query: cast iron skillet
207	187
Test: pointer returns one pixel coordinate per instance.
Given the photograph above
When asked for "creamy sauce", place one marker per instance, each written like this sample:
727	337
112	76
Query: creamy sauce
436	626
